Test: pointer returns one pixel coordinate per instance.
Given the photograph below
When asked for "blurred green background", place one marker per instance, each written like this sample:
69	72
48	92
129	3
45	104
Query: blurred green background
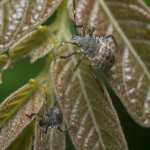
137	137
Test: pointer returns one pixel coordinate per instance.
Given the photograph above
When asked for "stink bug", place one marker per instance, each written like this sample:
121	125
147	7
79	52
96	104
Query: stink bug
98	50
53	118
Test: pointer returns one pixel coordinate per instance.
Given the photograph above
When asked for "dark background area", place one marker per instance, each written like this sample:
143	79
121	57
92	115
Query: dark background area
137	137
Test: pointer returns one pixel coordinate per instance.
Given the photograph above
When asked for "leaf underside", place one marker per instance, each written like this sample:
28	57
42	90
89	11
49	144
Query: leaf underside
130	76
95	121
24	140
18	17
13	110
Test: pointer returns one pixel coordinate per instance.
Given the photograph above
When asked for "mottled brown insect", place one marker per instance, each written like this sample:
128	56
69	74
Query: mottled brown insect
98	50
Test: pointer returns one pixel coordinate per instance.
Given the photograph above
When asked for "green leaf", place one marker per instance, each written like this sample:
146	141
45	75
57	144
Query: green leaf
128	21
3	61
37	44
19	17
13	111
85	107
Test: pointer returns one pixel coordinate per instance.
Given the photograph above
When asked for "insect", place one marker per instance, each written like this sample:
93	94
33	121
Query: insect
53	118
98	50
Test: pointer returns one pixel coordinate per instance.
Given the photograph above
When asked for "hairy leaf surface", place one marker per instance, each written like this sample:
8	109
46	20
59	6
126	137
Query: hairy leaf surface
129	22
13	111
24	140
96	125
18	17
37	44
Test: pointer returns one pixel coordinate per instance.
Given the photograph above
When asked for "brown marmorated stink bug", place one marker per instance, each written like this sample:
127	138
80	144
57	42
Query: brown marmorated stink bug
53	118
98	50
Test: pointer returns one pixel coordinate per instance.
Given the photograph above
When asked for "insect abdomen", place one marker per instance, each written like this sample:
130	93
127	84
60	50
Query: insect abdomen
105	58
58	115
100	52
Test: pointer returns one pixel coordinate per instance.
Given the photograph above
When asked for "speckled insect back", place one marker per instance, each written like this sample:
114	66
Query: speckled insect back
98	50
58	116
52	119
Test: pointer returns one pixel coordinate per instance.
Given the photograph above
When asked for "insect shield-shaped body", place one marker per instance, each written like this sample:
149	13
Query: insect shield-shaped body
53	118
99	51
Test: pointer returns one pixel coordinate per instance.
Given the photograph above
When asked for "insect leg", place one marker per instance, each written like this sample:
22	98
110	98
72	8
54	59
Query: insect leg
45	103
97	81
91	32
33	114
41	131
59	99
75	68
62	130
112	38
63	57
74	21
45	130
78	26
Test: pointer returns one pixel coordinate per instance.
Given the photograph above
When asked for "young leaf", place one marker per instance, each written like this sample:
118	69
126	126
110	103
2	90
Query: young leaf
37	44
13	111
96	125
19	17
128	21
3	61
24	140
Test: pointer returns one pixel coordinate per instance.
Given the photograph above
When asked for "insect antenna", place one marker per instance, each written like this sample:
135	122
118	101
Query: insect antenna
63	44
74	20
59	99
36	119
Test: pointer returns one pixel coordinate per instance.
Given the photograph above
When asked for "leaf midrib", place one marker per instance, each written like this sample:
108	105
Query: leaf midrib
67	38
